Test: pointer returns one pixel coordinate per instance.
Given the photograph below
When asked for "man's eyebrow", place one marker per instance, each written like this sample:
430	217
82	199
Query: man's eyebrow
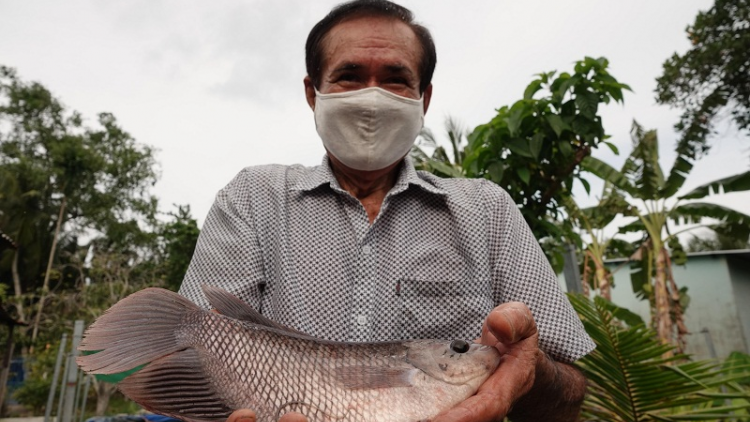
398	68
347	66
392	68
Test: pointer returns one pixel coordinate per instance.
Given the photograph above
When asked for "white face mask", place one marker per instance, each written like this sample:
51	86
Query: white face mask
368	129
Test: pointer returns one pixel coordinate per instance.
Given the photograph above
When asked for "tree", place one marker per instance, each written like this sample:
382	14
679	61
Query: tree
593	221
179	237
642	178
726	238
712	77
534	148
67	179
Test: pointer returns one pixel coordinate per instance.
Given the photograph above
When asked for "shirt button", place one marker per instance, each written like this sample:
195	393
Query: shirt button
362	320
366	249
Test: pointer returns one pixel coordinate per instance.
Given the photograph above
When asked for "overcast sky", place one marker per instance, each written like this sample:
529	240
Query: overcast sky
217	85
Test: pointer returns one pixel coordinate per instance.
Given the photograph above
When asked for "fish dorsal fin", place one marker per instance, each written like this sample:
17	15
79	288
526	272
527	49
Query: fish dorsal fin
230	305
359	377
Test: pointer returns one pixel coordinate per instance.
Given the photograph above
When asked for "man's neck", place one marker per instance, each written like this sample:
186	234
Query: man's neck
369	187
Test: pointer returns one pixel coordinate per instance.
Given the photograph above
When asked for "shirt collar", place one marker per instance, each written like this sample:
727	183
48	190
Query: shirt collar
407	176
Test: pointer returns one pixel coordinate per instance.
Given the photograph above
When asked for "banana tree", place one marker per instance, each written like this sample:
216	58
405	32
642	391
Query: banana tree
592	221
642	178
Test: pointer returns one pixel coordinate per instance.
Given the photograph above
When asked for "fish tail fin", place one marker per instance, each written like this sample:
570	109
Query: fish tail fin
135	331
175	385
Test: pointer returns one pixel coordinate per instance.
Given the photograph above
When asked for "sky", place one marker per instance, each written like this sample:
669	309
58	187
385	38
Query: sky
217	86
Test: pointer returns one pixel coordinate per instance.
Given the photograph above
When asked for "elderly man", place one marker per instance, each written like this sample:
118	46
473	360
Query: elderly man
364	248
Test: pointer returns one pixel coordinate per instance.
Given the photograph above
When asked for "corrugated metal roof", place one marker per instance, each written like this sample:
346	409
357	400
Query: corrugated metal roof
743	253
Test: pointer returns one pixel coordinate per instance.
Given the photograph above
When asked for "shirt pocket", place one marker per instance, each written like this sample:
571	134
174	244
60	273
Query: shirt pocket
443	309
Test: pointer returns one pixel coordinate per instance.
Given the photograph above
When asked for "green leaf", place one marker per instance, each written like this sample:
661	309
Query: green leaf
557	123
587	103
520	146
680	170
535	145
565	148
524	174
567	84
736	183
586	185
515	118
496	170
533	87
445	169
694	212
607	173
630	380
612	147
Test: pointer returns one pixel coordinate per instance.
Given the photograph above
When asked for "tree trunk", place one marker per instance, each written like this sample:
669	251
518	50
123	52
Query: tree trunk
602	279
45	286
104	391
17	285
677	310
661	298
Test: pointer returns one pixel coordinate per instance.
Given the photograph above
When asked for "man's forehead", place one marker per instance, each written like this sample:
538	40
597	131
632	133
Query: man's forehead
344	39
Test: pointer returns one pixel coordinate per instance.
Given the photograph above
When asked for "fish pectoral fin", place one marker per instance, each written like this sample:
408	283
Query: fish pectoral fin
361	377
176	385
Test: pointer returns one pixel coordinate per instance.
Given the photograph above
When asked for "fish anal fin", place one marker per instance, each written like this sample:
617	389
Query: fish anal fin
307	409
175	385
356	377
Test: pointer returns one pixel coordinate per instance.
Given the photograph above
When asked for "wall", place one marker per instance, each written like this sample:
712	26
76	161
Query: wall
739	269
719	301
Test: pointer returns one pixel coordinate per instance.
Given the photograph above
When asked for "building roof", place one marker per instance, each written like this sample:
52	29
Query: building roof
740	253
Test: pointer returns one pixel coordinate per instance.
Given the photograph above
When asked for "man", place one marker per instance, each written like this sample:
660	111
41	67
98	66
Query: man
363	248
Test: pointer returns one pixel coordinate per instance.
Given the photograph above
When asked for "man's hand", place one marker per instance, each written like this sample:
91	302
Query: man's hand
511	329
247	415
527	385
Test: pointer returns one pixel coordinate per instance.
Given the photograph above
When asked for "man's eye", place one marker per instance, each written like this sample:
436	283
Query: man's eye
397	81
348	77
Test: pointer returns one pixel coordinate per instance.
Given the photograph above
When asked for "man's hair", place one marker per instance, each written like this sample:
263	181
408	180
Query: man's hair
368	8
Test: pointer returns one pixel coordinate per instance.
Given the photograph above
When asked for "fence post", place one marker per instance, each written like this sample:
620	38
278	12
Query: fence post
72	375
55	376
570	269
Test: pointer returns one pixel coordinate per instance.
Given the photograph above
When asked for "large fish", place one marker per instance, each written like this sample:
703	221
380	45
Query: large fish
200	365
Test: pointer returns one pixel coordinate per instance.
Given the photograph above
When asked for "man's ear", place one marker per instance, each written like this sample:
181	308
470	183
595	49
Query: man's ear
427	96
309	92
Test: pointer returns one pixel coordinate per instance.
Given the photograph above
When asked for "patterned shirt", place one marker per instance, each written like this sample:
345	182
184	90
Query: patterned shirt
439	256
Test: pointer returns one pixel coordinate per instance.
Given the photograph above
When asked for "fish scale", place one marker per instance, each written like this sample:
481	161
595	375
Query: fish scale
201	366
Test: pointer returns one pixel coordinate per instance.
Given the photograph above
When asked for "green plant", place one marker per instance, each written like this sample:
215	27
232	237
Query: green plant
643	180
630	380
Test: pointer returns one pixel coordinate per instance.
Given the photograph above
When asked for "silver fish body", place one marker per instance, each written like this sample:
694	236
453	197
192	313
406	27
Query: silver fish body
200	366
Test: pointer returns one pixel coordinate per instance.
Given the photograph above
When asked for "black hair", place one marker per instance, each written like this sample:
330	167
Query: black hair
362	8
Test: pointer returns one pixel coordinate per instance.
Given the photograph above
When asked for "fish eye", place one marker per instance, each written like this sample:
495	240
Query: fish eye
460	346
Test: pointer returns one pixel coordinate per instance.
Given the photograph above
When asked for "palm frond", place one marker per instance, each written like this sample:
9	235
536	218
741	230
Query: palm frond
630	379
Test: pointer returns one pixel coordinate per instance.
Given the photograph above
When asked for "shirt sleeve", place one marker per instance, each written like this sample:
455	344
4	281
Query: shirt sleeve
521	273
227	254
